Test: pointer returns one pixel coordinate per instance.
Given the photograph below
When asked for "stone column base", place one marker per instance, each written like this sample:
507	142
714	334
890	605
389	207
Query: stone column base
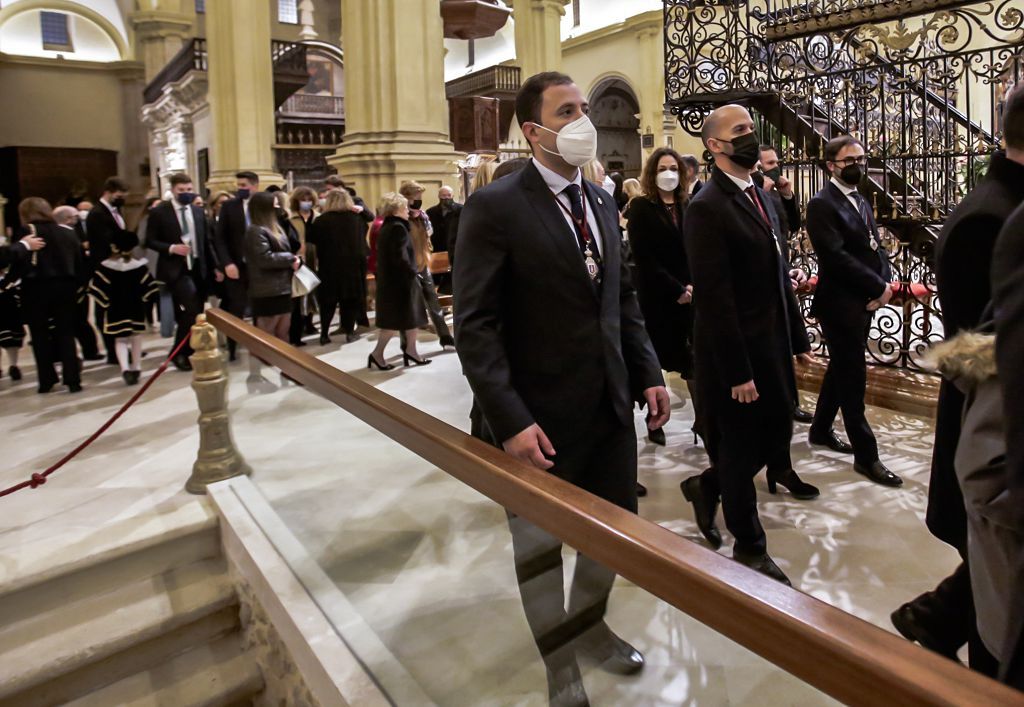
377	163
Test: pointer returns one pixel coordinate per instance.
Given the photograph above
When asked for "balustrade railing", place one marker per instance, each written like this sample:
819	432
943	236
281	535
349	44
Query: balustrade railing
304	104
191	57
494	79
920	82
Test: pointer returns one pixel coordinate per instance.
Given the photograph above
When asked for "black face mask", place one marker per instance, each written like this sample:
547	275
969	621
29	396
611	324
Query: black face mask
118	202
416	204
773	174
746	150
447	203
851	174
186	198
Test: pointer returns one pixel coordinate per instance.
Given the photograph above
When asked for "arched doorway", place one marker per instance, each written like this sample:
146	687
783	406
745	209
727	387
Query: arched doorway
613	110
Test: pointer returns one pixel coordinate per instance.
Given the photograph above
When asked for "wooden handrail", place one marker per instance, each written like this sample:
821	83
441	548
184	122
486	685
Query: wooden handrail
836	652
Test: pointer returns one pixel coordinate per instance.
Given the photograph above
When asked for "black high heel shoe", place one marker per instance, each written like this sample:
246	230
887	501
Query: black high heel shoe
789	480
371	362
415	361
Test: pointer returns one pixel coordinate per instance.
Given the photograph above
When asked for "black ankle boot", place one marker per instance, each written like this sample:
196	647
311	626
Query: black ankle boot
789	479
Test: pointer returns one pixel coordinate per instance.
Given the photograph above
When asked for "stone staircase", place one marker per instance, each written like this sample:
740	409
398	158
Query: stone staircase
153	621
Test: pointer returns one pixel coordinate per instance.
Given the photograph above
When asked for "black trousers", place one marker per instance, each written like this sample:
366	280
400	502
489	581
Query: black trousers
236	299
99	315
46	303
432	304
330	298
84	332
844	385
738	450
188	304
603	463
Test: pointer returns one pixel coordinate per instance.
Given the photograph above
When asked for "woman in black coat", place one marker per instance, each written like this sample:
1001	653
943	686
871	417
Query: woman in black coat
339	235
399	308
663	282
50	279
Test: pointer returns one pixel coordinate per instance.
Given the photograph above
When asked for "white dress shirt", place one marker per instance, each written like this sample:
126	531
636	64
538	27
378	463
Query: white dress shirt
187	222
850	192
557	184
116	213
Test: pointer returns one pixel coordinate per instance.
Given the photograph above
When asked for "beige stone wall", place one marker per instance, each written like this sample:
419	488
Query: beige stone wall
59	106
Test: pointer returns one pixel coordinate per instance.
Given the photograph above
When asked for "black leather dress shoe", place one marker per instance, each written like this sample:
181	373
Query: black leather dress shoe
763	564
182	363
704	509
657	436
612	653
801	415
74	387
879	473
793	483
447	341
912	628
832	441
352	336
565	687
641	490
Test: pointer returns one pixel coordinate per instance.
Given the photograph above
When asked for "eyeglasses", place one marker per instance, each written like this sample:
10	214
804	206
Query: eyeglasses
848	161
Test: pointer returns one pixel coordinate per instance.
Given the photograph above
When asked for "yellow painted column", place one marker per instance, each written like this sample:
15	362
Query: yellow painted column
160	33
396	112
538	35
241	92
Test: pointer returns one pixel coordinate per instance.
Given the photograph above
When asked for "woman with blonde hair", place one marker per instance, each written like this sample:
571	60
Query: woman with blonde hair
399	307
339	237
484	174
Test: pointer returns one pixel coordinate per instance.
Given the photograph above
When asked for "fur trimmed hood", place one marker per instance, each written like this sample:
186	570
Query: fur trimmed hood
967	359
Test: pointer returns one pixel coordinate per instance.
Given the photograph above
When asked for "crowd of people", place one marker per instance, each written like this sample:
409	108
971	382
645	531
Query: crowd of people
702	285
241	251
574	291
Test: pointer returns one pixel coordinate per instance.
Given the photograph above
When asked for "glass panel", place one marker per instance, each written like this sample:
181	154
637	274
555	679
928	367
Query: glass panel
54	26
287	12
426	566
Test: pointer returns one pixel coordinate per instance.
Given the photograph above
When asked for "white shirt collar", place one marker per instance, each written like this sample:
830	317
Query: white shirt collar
556	182
848	191
112	209
742	184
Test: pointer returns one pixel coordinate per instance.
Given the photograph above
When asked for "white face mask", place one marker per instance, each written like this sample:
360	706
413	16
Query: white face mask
667	180
576	142
609	186
83	214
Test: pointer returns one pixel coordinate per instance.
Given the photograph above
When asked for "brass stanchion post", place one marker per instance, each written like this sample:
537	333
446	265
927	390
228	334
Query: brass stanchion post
218	459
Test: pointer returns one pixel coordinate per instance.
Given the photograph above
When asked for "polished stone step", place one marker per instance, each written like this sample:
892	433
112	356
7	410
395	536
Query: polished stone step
99	630
217	674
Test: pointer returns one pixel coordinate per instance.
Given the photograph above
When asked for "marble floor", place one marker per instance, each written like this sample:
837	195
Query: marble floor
427	561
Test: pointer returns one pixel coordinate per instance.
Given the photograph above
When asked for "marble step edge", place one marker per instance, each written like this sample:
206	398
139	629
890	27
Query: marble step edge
43	647
165	553
45	560
216	674
137	658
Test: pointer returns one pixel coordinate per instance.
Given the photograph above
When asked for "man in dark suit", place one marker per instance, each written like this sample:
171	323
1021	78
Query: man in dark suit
966	276
177	231
104	222
746	331
229	246
442	215
68	217
853	282
551	338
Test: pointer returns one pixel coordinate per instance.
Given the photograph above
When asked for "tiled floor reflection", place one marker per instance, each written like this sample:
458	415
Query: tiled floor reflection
427	562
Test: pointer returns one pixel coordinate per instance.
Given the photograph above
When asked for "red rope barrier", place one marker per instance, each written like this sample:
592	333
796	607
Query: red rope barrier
38	480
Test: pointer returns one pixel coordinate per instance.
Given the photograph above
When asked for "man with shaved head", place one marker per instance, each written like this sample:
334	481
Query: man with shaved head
69	217
747	329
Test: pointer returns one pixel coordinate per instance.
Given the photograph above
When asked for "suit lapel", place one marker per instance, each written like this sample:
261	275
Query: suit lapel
746	206
557	232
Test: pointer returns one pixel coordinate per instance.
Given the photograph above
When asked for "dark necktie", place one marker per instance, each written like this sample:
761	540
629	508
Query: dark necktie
752	193
579	217
865	214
